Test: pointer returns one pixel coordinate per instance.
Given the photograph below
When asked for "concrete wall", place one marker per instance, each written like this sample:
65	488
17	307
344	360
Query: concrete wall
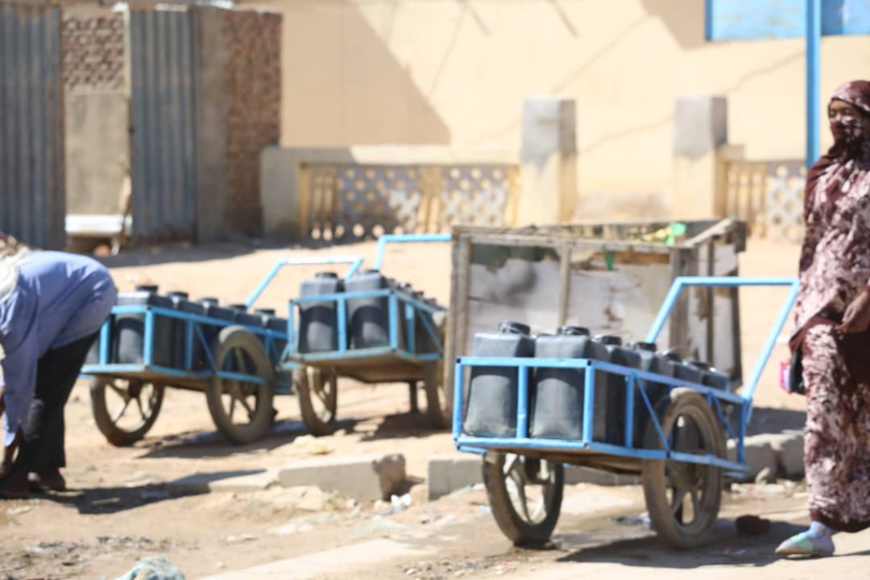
96	109
360	72
252	81
93	49
287	196
237	78
211	138
238	114
97	145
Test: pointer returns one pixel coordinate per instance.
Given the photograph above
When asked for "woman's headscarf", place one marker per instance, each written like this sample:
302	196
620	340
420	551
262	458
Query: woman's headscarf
835	263
11	254
849	133
836	172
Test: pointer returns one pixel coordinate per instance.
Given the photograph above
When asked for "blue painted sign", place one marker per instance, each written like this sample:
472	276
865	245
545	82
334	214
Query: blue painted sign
755	20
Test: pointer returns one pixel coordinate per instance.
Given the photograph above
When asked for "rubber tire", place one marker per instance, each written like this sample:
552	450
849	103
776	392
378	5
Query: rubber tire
302	378
114	434
655	481
239	337
512	525
439	398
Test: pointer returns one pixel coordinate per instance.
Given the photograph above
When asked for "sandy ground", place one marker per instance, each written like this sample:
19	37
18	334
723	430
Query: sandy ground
119	509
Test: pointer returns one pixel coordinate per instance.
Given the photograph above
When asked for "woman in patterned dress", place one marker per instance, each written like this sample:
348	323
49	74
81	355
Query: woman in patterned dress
832	317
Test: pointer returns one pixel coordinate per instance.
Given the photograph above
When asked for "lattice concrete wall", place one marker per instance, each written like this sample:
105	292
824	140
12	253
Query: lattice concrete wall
252	80
356	202
746	186
768	195
478	195
786	181
93	52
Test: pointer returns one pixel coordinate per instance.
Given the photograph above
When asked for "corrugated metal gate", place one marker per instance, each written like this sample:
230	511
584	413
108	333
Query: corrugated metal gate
32	190
161	107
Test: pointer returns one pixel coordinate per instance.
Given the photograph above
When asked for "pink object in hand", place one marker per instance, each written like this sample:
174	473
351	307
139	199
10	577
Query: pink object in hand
784	367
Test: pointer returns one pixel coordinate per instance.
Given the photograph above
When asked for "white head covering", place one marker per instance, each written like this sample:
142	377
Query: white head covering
11	255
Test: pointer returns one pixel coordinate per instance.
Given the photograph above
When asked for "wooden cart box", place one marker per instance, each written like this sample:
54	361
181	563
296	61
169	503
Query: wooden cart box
611	278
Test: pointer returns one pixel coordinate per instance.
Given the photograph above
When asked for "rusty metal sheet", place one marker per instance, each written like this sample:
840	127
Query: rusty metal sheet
162	100
32	188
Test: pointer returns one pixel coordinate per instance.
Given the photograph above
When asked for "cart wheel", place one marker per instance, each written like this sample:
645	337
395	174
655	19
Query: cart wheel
683	499
525	495
318	398
439	398
135	405
241	410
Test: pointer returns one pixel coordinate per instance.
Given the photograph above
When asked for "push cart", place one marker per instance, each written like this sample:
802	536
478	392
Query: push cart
681	454
410	351
236	362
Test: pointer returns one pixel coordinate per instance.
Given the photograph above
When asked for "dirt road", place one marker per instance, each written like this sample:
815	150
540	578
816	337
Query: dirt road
119	508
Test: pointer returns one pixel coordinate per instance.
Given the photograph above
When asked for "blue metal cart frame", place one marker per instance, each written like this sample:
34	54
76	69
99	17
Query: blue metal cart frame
625	458
400	360
261	346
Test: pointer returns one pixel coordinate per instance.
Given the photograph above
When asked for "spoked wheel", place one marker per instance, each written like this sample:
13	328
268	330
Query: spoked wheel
241	409
317	390
525	495
683	499
125	409
439	397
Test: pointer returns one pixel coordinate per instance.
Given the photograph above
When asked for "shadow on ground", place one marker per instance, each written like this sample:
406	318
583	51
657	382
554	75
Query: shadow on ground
111	500
403	426
728	548
768	420
195	444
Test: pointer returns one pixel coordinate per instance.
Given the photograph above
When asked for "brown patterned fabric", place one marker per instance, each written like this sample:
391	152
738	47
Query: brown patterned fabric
837	436
834	270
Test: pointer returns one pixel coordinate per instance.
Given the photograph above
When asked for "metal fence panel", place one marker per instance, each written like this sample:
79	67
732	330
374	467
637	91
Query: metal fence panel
32	188
163	162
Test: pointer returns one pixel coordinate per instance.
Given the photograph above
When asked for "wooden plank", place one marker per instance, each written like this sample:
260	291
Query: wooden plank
457	320
711	313
304	186
678	326
552	242
564	283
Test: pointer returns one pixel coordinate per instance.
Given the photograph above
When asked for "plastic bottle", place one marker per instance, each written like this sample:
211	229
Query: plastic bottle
685	371
181	303
318	324
368	318
560	393
613	402
492	396
711	377
129	335
651	361
224	317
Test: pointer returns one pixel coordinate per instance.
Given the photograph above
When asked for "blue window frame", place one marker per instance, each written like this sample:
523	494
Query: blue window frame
765	19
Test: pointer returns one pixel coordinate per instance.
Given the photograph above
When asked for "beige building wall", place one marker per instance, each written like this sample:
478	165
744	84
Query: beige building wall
358	72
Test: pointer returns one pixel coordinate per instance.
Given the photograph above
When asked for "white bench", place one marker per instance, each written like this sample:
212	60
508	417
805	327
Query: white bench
114	227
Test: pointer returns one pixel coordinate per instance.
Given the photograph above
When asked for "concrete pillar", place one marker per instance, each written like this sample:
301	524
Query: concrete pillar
548	161
280	195
700	139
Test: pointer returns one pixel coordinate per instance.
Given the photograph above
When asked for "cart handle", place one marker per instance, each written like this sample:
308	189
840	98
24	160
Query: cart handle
405	239
354	261
732	281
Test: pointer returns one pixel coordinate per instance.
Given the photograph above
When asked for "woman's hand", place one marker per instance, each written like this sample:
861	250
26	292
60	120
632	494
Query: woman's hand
8	460
857	316
8	456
